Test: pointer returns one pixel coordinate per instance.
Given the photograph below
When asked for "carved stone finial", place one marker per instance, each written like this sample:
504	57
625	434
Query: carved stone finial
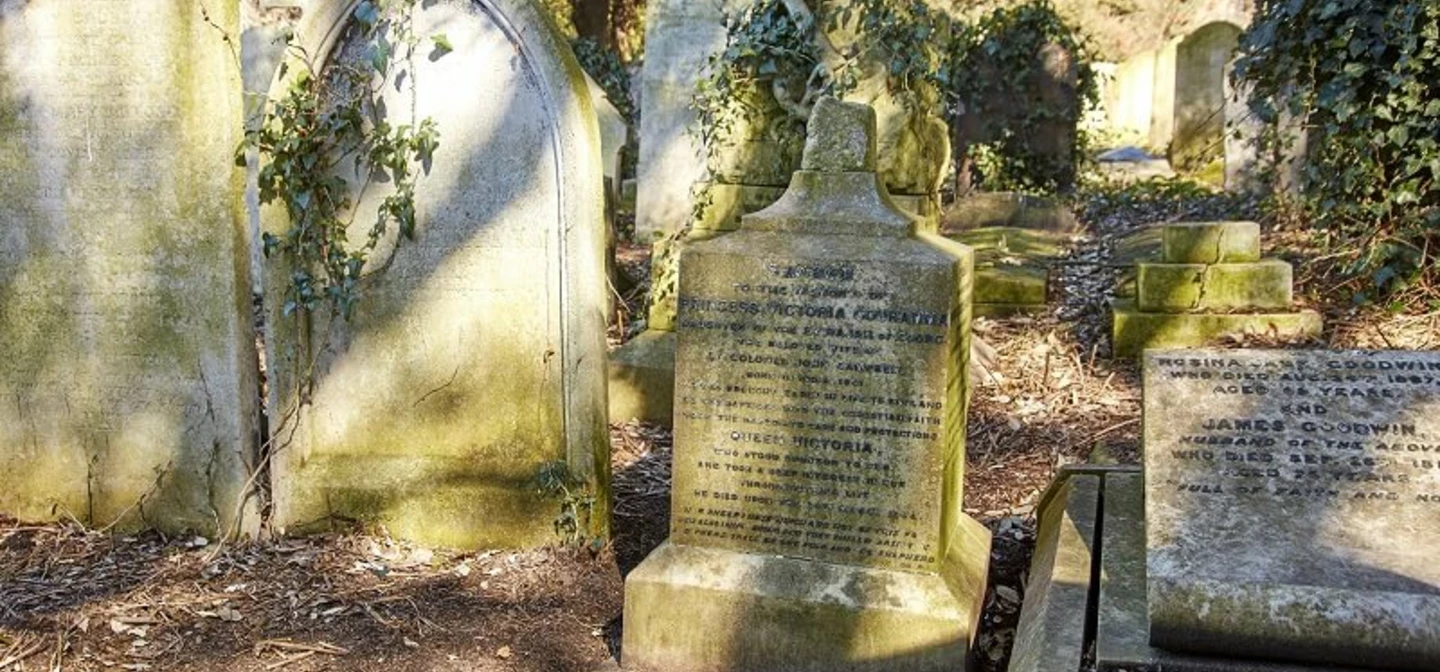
841	138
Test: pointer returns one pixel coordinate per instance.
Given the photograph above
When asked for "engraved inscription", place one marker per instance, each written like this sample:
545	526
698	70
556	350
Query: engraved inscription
815	400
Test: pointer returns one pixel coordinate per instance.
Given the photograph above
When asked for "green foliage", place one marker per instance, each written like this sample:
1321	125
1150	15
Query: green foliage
931	63
996	63
323	123
1363	79
555	480
605	67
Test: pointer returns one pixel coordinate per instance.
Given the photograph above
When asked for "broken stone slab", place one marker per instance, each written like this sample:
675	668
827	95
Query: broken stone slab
1210	242
1290	505
1178	288
1023	285
642	379
1050	636
1136	331
1122	622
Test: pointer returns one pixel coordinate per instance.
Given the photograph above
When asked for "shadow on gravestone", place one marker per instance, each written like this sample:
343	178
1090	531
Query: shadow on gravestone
475	358
129	375
1290	505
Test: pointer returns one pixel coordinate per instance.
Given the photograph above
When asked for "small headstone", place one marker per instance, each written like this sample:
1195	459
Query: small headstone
475	361
818	470
128	373
1291	503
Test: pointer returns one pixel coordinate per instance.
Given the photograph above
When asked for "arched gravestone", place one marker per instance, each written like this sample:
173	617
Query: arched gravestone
476	354
127	358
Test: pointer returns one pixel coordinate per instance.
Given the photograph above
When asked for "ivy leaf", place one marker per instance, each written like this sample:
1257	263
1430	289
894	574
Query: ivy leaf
441	45
367	13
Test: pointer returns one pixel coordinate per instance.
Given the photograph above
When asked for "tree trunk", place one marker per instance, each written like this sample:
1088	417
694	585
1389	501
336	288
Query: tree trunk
592	20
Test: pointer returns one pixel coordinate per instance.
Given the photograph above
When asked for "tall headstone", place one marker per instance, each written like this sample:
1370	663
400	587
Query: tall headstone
128	370
475	358
820	418
680	36
1243	130
1200	66
1291	503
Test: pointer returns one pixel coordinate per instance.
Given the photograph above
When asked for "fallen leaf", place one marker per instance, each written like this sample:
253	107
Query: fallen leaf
503	653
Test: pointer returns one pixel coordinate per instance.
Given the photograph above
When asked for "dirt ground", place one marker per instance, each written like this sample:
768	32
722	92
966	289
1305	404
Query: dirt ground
77	599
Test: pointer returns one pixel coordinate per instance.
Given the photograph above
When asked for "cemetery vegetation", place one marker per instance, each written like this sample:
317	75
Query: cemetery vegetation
1362	79
930	61
325	125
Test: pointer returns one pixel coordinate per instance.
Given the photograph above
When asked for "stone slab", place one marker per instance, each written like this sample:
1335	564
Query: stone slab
1136	331
1199	131
1210	242
1051	634
1179	288
1122	621
129	363
1291	505
1009	209
694	609
476	358
642	379
1013	285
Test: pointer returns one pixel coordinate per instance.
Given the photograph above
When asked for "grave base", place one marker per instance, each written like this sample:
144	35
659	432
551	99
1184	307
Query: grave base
1091	542
1136	331
692	609
642	379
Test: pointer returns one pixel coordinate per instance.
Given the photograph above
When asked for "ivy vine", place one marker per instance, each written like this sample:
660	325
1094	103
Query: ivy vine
1361	81
325	122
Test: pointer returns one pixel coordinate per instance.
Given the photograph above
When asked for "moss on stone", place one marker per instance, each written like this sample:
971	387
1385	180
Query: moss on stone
1179	288
1136	331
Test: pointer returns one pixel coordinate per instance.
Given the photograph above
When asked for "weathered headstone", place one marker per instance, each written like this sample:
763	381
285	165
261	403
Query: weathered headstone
1200	66
680	35
475	358
128	369
1291	505
816	517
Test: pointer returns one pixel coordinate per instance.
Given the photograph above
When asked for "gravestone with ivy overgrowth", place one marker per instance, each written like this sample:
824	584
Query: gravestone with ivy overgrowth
816	520
128	374
471	373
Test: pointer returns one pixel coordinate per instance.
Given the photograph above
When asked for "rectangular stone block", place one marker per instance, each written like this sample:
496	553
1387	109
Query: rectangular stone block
1291	503
1051	634
128	367
1122	623
642	379
1136	331
1179	288
1210	242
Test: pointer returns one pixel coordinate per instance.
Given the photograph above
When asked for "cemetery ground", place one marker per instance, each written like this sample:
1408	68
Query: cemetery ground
81	599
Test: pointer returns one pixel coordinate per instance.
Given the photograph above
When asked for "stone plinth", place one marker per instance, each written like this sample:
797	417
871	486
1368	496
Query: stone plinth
1290	505
1050	636
128	373
475	359
820	404
1210	284
1181	288
642	378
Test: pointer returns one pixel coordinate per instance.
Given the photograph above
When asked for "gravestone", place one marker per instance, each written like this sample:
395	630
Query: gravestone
129	359
1291	502
475	358
820	411
1200	66
680	36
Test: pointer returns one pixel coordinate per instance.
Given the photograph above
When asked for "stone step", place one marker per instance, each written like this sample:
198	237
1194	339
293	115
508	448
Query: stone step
1179	288
1136	331
1211	242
